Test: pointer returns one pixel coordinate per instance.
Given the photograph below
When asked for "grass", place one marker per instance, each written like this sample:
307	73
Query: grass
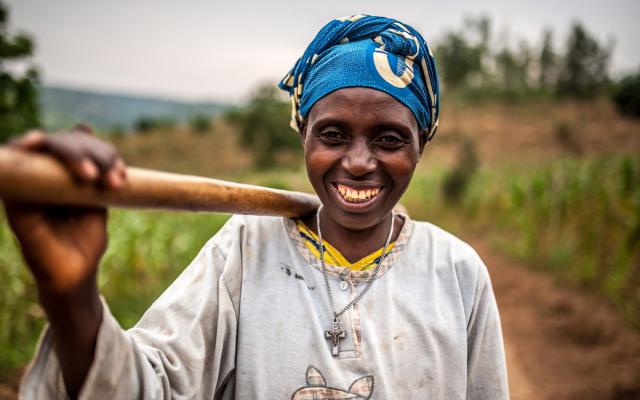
147	251
576	218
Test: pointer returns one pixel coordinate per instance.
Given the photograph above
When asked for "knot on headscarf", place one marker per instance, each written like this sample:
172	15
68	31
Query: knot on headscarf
397	43
366	51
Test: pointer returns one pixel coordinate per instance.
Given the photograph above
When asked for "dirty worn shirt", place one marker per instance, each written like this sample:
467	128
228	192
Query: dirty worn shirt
247	320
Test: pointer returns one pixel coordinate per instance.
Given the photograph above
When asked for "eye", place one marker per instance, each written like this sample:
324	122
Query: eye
391	141
332	137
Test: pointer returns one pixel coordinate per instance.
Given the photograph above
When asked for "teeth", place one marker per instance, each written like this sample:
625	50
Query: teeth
357	196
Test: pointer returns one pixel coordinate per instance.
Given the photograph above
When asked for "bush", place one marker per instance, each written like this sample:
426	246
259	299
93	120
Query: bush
200	123
626	95
264	125
147	124
456	182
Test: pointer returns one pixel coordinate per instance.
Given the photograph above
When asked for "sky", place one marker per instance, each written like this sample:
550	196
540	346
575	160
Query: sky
220	50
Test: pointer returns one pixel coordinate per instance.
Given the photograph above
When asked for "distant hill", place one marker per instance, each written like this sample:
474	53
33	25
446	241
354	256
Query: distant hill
62	108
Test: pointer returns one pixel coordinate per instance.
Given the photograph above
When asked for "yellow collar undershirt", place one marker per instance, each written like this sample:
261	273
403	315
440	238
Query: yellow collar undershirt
333	255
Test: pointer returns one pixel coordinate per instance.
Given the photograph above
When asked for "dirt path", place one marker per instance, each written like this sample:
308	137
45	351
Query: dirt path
561	343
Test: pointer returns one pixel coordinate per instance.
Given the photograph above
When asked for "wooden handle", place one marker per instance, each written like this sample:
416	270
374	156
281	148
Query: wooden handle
38	178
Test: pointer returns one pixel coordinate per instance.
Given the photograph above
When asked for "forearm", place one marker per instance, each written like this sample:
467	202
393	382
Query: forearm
75	320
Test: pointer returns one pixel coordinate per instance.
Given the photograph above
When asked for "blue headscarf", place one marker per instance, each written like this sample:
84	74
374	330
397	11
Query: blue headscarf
367	51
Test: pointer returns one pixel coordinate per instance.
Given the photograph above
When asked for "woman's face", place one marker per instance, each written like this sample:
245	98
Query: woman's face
361	147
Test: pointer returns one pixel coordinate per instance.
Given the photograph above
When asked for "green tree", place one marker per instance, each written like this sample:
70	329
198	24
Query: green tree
18	94
464	56
264	125
459	60
513	70
584	69
547	63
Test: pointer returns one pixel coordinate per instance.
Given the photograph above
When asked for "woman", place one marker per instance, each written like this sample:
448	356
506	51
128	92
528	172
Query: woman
353	301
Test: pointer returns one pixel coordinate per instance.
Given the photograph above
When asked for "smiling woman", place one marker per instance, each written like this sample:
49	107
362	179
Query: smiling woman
351	302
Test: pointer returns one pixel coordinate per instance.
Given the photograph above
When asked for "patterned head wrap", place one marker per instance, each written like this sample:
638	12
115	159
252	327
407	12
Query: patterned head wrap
367	51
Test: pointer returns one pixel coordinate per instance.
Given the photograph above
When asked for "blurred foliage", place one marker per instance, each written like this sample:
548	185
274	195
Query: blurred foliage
577	218
462	55
263	125
146	124
626	95
147	251
474	62
547	63
583	71
565	135
456	182
18	95
200	123
459	61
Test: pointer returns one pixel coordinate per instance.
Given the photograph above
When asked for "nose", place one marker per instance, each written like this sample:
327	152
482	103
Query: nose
359	160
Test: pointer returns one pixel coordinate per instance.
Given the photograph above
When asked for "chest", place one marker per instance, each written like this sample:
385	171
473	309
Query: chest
407	332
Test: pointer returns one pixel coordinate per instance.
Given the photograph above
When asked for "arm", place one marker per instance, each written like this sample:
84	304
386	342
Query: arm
63	246
183	346
486	365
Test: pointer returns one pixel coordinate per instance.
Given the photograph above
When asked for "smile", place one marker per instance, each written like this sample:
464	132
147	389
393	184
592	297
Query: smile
353	195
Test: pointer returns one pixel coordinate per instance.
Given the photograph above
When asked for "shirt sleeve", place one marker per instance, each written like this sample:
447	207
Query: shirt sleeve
486	365
183	347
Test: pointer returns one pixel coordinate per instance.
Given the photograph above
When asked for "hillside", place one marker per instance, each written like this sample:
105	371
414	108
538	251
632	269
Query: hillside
65	107
517	135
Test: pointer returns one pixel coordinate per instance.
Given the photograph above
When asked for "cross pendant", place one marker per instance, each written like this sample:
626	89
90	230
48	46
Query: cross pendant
335	334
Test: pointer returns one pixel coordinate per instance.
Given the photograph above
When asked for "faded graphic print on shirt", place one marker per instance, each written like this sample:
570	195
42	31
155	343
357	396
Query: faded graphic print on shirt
317	388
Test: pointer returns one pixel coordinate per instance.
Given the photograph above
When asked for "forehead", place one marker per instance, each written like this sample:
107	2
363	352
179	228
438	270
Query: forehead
363	106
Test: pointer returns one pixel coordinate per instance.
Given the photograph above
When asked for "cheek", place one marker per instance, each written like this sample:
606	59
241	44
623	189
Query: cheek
400	167
318	161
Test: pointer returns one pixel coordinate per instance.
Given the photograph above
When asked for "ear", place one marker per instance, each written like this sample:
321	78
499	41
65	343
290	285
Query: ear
423	136
363	387
303	132
315	378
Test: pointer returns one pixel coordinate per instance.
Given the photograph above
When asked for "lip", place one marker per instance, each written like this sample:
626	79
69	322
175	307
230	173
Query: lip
362	206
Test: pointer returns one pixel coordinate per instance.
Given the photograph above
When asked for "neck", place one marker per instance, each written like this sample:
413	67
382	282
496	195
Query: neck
355	244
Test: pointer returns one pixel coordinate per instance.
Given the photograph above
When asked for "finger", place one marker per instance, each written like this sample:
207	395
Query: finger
102	153
70	151
32	140
83	128
117	175
81	140
84	169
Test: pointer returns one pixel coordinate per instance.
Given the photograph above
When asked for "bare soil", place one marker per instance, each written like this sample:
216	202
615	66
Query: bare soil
561	343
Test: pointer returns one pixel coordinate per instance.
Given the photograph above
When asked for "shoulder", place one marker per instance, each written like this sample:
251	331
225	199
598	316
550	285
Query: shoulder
447	251
246	229
455	258
443	243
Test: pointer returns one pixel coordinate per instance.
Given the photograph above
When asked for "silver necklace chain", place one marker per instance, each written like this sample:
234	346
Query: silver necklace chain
336	315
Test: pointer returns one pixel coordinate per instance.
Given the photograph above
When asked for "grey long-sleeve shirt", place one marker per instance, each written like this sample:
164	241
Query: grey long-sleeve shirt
247	320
